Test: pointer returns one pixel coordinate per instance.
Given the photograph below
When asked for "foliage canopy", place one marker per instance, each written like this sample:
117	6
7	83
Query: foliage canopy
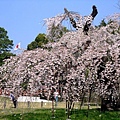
39	41
5	45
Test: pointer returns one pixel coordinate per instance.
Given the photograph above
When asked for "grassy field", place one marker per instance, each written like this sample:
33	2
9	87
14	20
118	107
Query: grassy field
59	114
34	111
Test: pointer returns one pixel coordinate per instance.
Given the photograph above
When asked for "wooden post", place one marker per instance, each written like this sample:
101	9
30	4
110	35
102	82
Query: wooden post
41	104
4	106
28	103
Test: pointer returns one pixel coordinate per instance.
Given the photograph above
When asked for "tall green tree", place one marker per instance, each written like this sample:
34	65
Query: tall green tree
39	41
5	45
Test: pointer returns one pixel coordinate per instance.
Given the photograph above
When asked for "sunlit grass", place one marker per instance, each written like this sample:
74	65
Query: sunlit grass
59	114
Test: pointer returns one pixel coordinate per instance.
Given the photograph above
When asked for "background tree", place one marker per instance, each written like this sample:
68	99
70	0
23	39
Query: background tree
42	39
102	23
39	41
57	32
5	45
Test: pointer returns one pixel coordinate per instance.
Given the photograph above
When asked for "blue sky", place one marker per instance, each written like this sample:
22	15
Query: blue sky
23	19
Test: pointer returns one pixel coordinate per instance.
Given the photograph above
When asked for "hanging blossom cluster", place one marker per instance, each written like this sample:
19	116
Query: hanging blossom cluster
75	65
54	21
55	27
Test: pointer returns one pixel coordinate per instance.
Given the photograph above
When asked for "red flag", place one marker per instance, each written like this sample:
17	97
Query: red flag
17	46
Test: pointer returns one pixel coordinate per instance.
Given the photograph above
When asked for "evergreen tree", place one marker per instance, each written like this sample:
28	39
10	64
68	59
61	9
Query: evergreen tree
39	41
5	45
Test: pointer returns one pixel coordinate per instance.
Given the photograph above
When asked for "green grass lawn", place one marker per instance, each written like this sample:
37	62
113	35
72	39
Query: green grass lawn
59	114
36	112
